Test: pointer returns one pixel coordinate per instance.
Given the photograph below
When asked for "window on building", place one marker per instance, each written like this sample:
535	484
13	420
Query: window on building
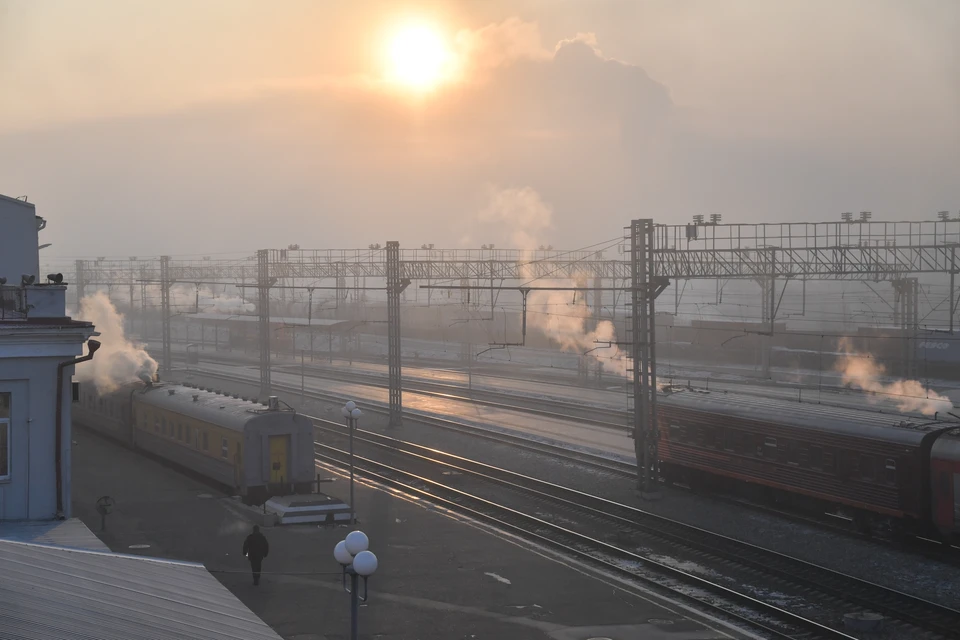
224	448
206	442
186	433
179	431
4	436
890	470
163	425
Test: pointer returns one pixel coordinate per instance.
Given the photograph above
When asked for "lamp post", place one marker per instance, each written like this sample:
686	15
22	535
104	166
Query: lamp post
356	560
351	413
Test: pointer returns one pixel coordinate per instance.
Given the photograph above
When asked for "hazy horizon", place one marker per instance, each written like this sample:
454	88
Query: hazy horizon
203	128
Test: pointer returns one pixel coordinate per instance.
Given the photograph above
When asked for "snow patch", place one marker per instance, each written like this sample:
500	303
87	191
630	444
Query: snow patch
496	577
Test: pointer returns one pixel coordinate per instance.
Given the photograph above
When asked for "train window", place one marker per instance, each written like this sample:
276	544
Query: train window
890	469
186	433
163	424
829	461
675	431
224	448
733	440
815	457
791	453
866	468
206	442
179	431
945	483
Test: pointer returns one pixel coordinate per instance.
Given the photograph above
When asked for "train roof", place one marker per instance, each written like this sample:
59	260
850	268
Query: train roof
219	409
860	423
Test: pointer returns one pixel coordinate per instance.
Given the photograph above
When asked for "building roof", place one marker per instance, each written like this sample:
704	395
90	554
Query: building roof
59	593
64	533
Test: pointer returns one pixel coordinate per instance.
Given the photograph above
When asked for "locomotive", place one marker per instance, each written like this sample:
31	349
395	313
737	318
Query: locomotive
878	469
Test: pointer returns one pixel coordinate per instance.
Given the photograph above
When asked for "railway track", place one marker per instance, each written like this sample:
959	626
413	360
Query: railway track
828	592
616	420
626	469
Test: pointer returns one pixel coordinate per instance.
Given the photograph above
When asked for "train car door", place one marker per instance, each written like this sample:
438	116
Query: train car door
946	491
279	446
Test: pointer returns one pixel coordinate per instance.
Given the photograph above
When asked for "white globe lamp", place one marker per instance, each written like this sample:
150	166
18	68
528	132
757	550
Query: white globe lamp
341	554
356	541
365	564
351	405
355	414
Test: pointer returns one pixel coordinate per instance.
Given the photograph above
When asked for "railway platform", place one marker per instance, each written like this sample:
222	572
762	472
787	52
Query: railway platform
439	577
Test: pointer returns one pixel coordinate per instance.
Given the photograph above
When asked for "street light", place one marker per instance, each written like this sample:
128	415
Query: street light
356	560
351	414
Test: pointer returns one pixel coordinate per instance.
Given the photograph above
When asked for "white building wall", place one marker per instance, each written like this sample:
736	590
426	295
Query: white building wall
35	337
19	254
30	492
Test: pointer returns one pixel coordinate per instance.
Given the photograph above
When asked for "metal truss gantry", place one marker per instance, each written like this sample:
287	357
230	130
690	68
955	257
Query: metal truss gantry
773	255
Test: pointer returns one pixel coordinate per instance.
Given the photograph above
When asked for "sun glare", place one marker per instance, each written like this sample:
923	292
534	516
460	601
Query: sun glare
417	58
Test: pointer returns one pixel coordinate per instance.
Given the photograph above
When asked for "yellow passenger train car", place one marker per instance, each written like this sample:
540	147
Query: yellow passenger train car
257	450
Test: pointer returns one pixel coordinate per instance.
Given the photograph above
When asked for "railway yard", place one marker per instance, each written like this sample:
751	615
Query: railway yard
539	458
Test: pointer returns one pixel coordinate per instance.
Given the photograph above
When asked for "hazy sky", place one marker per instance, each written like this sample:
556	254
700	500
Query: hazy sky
187	127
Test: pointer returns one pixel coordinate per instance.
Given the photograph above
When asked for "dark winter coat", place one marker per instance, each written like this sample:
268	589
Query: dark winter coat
256	546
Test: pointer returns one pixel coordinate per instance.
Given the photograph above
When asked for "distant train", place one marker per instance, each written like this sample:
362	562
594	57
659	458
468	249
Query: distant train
257	450
876	468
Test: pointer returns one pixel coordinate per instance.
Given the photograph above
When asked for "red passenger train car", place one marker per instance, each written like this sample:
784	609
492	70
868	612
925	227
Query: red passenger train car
879	469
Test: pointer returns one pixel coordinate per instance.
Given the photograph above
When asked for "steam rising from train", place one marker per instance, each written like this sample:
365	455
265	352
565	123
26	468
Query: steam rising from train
860	371
118	360
186	298
556	313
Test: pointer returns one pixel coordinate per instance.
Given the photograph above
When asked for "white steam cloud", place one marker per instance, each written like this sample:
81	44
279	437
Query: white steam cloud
564	320
860	371
118	361
186	299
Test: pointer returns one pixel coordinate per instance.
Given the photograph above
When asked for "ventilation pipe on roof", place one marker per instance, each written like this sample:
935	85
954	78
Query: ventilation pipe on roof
273	403
92	346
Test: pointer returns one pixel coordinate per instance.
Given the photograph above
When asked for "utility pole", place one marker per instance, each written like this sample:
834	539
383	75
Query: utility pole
81	283
395	286
645	288
143	303
263	309
165	283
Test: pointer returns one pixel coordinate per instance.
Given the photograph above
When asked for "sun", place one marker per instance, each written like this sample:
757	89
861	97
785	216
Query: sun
417	57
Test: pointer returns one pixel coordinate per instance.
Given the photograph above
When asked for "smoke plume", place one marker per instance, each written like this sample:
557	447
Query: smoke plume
560	315
187	299
860	371
118	361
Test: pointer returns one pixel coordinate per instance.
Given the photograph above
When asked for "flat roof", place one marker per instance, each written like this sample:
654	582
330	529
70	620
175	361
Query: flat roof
65	533
55	592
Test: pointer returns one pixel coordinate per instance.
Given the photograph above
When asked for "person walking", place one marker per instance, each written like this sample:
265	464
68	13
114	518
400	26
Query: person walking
256	548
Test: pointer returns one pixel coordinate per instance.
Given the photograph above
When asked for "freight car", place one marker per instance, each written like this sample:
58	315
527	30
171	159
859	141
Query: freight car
257	450
880	470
